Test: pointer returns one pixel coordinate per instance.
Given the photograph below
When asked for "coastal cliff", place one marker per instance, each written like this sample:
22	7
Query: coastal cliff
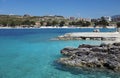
104	56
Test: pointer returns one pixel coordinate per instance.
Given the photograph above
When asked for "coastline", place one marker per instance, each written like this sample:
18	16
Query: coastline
103	56
51	27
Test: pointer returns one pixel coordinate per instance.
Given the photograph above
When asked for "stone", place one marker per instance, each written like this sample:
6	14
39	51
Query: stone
105	56
86	46
116	44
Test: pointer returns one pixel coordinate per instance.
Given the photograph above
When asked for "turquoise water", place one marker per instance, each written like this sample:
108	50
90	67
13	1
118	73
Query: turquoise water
29	53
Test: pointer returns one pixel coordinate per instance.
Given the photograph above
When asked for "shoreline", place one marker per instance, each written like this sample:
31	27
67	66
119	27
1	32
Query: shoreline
50	27
105	37
103	56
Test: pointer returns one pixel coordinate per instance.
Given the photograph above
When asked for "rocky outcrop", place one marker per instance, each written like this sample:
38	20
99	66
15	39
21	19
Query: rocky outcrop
103	56
104	36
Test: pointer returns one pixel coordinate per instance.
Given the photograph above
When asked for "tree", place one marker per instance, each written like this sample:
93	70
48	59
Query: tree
32	22
4	23
49	23
26	22
118	26
96	23
86	23
54	23
42	23
18	22
62	23
12	23
102	18
79	23
72	23
102	22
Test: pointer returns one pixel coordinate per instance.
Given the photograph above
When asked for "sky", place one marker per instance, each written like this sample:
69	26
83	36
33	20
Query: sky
67	8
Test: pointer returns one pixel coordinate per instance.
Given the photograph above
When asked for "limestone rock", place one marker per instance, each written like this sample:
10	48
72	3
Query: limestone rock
103	56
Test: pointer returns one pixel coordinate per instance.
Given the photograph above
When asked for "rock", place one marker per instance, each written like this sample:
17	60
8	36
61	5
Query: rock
86	46
90	36
116	44
69	51
103	45
103	56
97	49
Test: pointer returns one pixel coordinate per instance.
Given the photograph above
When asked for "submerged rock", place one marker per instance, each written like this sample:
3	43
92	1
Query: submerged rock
104	56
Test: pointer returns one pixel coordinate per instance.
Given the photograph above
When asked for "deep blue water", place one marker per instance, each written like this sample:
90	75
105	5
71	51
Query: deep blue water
29	53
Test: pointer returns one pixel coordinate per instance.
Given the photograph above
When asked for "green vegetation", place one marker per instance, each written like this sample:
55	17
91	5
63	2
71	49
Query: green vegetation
62	23
118	24
28	21
102	22
13	21
54	23
80	23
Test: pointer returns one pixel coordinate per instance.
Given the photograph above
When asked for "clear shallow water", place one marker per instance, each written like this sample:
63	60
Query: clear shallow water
31	54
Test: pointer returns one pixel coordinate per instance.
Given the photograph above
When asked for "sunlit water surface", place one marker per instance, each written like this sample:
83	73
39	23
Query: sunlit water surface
30	53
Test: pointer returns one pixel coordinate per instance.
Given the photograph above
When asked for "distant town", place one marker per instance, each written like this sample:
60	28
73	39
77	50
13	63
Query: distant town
57	21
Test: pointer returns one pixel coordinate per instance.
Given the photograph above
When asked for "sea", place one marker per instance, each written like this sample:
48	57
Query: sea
31	53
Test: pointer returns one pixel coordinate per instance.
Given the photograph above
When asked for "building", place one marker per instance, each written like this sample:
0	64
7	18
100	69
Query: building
107	18
27	15
52	17
37	23
72	18
84	19
87	19
116	18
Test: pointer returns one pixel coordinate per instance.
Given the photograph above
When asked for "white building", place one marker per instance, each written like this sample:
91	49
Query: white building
108	18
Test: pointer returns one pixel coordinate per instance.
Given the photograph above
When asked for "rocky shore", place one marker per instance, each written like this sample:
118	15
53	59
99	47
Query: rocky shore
104	56
104	36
